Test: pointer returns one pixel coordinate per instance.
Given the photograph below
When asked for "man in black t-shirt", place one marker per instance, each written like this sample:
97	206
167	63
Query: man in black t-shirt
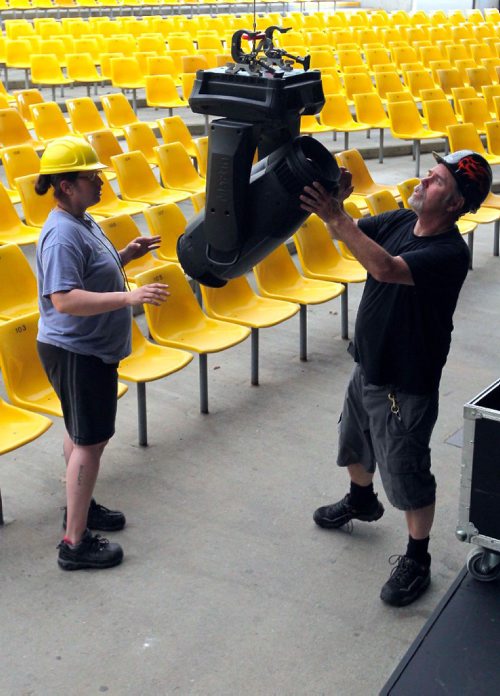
417	262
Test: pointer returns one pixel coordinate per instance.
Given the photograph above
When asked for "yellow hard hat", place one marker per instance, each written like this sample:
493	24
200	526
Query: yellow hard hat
69	154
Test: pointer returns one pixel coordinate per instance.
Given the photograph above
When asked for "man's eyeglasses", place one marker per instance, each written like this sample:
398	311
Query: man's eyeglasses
91	176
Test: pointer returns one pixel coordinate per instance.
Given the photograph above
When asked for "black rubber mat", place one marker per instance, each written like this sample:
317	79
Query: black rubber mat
457	652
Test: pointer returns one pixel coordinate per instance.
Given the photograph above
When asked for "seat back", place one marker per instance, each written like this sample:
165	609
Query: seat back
477	77
181	43
459	94
81	67
464	136
418	80
489	93
26	97
125	44
173	129
369	109
151	42
492	136
125	70
492	65
48	121
193	63
349	58
381	202
336	113
176	167
19	160
180	311
84	115
388	82
45	69
187	84
405	118
432	94
88	45
439	114
314	245
462	66
142	58
121	230
277	273
106	144
428	53
357	83
377	56
224	301
18	289
168	222
352	160
475	111
17	53
160	89
118	111
105	61
480	51
53	47
134	175
404	54
161	65
13	130
405	189
331	83
140	136
23	375
36	208
449	79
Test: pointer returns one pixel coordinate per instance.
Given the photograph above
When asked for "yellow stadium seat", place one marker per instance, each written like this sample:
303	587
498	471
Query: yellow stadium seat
177	170
161	93
166	221
236	302
180	322
18	289
148	362
277	277
320	260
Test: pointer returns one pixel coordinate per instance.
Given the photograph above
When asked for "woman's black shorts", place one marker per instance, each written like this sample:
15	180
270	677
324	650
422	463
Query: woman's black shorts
87	388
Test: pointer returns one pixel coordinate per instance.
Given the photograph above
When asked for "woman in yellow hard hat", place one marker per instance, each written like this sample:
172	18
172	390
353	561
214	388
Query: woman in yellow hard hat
84	331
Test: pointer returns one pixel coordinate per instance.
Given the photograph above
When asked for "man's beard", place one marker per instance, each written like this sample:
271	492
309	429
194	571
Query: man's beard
415	203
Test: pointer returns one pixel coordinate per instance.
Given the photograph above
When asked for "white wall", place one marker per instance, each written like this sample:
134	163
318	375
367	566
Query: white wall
429	5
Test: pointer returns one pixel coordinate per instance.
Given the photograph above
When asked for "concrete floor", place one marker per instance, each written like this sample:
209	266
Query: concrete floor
227	586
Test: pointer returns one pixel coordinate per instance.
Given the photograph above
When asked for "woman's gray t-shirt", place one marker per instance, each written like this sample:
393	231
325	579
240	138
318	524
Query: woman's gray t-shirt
75	253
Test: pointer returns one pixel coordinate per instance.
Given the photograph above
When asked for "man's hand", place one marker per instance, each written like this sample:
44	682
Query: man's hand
316	199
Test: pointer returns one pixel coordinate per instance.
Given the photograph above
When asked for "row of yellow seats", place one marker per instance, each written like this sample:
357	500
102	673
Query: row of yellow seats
346	56
332	38
105	26
13	49
362	18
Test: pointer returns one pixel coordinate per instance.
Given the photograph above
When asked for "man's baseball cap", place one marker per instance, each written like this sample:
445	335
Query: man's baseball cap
472	174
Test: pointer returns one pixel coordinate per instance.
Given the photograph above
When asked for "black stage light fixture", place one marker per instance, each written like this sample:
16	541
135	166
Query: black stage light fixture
251	210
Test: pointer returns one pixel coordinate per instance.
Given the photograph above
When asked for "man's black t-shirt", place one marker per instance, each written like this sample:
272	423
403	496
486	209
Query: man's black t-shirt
403	332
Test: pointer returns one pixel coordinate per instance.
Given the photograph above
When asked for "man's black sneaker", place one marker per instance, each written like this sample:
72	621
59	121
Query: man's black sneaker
102	518
336	515
407	582
90	552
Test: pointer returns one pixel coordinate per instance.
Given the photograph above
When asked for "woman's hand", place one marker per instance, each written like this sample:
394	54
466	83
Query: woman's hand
138	247
153	294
